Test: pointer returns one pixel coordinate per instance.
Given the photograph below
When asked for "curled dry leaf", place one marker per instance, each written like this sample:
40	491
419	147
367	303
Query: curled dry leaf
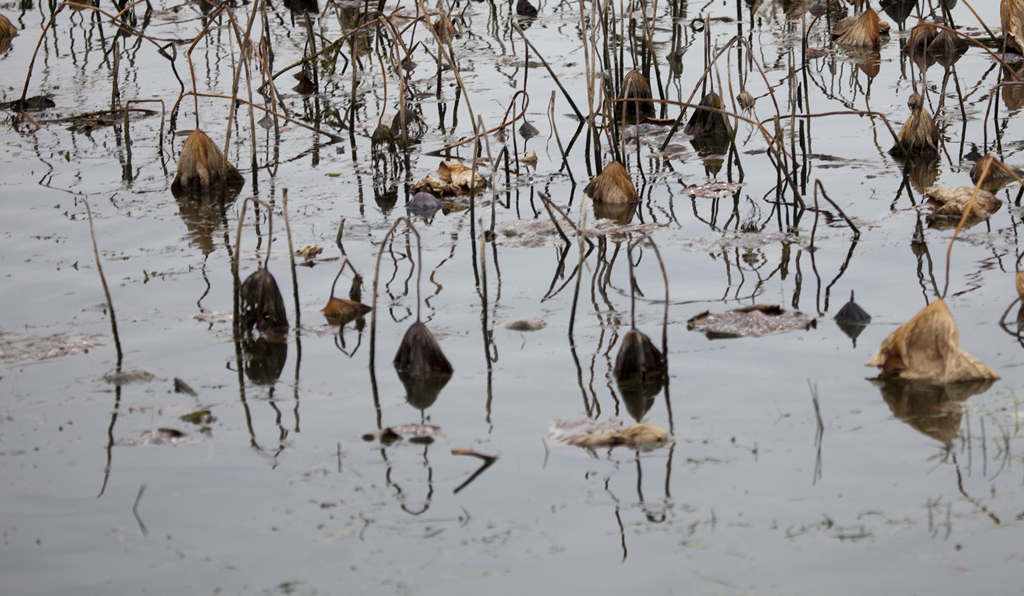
749	321
999	174
455	179
529	159
340	311
202	167
1011	17
927	348
918	136
636	93
595	434
929	44
863	32
309	252
948	205
612	185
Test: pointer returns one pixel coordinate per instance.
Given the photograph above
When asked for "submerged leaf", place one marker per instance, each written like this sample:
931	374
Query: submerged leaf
612	185
749	321
926	348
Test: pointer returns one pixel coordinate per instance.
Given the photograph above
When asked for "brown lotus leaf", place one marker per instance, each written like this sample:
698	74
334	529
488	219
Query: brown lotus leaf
638	357
864	31
709	127
1013	87
612	185
340	311
999	174
455	179
1011	18
1019	279
749	321
309	252
952	203
918	136
262	306
202	167
636	92
928	44
7	30
529	159
927	348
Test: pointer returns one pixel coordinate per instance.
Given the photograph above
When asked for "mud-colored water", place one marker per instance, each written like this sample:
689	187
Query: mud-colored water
275	491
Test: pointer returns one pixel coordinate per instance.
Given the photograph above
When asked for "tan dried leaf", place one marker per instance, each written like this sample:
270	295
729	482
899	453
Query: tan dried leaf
864	31
1019	278
461	176
309	252
340	311
952	203
927	348
1011	18
612	185
999	174
635	435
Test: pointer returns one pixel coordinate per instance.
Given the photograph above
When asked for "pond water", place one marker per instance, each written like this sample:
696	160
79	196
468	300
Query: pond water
788	472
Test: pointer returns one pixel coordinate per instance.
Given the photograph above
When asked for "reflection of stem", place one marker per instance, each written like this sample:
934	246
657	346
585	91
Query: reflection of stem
973	501
110	439
488	462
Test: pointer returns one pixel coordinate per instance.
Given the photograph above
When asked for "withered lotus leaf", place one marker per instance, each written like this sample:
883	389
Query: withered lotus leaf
637	93
262	306
612	185
918	136
340	311
455	179
1011	17
952	203
7	29
638	357
927	348
749	321
634	436
864	32
709	125
419	354
999	174
202	167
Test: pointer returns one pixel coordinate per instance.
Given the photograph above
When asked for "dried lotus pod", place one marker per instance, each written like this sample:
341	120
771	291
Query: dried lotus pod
636	93
262	306
918	136
419	354
203	168
612	185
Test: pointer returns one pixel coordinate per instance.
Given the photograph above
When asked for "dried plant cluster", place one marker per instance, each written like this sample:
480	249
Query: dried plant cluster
918	136
929	43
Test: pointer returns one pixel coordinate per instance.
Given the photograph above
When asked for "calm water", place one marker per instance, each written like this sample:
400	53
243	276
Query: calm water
899	494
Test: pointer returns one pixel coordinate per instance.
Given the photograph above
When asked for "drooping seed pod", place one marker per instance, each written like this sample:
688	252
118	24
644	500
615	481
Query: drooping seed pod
612	185
636	93
202	168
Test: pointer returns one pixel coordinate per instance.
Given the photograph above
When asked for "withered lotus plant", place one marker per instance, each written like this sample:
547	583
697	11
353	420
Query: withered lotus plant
636	96
612	185
863	32
949	205
709	124
262	306
928	44
927	348
999	174
7	29
1011	17
419	354
918	137
635	436
340	311
202	168
746	100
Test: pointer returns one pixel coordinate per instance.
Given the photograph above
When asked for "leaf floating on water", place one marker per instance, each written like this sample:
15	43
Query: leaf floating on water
714	190
414	433
199	418
948	206
525	325
309	252
999	174
202	168
594	434
340	311
750	321
455	179
181	386
927	348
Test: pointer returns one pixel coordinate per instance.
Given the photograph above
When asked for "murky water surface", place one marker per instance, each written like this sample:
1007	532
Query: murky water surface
176	471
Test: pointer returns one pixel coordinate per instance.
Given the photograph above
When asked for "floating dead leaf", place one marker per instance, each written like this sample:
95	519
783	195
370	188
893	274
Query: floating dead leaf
262	306
594	434
929	44
22	348
203	168
31	104
341	312
918	137
455	179
861	32
933	410
181	386
927	348
305	85
999	174
309	252
525	325
1011	17
714	190
414	433
948	206
749	321
160	436
636	94
127	377
529	159
612	185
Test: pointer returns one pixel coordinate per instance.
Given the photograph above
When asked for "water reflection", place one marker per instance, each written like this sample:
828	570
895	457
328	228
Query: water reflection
932	410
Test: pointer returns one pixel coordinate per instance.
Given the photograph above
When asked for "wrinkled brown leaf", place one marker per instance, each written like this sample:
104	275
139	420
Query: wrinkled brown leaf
340	311
1011	17
455	179
749	321
949	205
595	434
612	185
309	252
926	348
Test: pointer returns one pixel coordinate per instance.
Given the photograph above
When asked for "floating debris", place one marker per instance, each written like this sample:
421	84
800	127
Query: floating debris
926	348
714	190
948	206
127	377
31	104
524	325
414	433
160	436
198	418
202	168
749	321
309	252
181	386
22	348
341	312
594	434
612	185
456	179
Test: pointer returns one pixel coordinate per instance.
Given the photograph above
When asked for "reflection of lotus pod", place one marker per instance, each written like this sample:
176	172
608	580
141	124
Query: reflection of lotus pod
419	354
7	30
636	92
612	185
864	32
709	126
638	358
1011	16
918	136
421	391
638	393
262	307
202	167
926	348
264	360
933	410
999	174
